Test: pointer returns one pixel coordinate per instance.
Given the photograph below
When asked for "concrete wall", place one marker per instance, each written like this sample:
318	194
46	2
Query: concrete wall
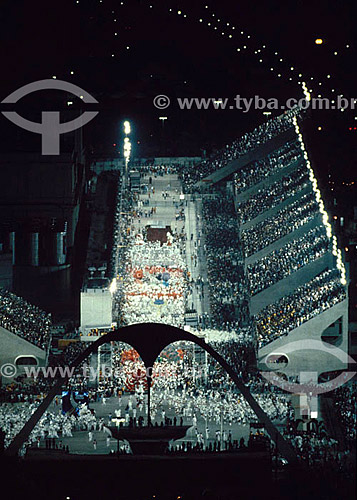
13	346
311	360
96	308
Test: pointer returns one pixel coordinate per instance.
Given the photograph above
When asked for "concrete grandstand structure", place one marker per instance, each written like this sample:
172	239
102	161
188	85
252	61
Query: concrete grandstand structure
280	213
19	353
25	335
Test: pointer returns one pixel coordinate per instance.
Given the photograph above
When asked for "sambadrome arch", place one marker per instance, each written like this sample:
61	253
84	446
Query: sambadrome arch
149	339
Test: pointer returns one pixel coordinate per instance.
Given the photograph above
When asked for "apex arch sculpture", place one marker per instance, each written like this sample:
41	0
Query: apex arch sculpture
149	339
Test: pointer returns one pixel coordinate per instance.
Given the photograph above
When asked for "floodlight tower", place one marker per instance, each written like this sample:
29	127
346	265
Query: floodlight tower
127	148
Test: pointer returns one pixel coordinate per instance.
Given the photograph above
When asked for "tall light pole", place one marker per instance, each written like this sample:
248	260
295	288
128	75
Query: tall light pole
162	138
163	118
127	148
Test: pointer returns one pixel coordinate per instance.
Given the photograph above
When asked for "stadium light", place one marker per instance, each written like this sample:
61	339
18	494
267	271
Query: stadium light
127	128
127	148
127	143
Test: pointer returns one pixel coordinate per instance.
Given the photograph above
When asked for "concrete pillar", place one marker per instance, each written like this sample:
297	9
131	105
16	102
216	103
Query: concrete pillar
34	245
60	248
12	245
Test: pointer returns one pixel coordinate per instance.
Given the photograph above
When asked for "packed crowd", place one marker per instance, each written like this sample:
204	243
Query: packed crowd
259	170
312	448
197	392
239	147
215	401
239	351
270	196
25	389
67	355
24	319
154	288
229	303
213	405
181	383
285	221
122	218
160	170
313	445
345	401
224	257
121	241
53	424
286	260
155	282
324	291
151	277
194	387
186	382
21	391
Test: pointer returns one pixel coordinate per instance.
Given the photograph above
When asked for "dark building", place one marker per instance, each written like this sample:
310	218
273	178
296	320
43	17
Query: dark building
40	200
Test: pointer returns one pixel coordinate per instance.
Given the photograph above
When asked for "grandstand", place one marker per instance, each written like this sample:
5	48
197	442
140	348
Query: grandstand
25	332
294	277
274	274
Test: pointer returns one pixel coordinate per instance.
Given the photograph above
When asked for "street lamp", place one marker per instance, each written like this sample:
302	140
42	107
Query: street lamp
163	118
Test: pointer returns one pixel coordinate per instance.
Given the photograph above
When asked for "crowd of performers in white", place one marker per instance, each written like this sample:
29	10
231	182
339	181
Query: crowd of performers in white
184	392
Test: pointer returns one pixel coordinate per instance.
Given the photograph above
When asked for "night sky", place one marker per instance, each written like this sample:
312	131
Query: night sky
125	53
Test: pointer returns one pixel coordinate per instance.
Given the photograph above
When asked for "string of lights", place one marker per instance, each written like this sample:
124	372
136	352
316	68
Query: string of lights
325	219
231	31
228	30
245	42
